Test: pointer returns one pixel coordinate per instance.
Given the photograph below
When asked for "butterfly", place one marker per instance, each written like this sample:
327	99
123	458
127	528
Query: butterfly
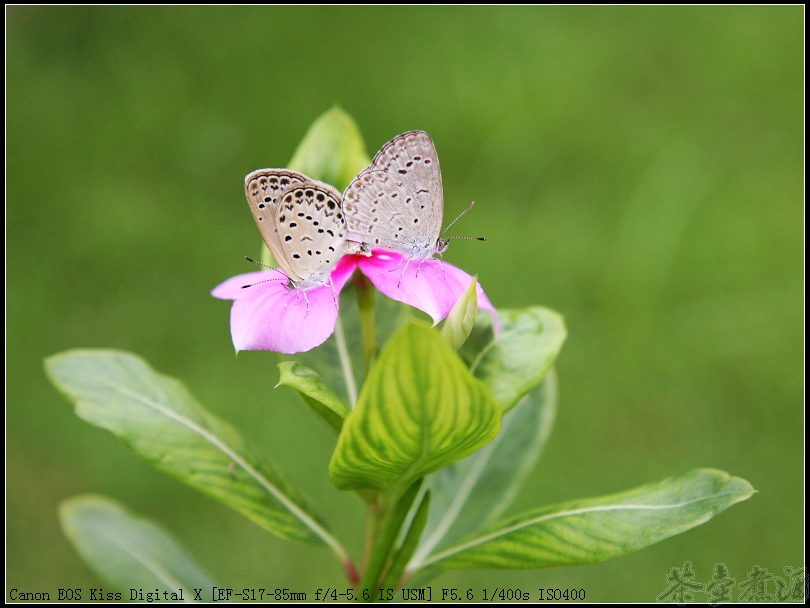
302	223
397	202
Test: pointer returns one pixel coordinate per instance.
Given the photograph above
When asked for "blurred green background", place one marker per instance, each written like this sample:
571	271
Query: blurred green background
639	170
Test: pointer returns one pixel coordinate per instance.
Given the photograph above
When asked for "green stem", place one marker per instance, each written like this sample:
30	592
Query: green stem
365	306
345	363
384	524
394	577
374	521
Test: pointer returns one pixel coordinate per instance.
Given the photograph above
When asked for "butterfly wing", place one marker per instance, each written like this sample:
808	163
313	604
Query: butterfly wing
380	211
301	222
412	156
397	202
263	189
311	230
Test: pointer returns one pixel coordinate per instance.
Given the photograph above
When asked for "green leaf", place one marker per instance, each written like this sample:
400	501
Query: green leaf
460	321
314	392
477	490
332	151
515	360
160	420
597	529
420	410
130	551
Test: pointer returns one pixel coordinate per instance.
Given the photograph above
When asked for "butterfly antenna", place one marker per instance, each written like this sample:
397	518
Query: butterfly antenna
266	280
252	261
474	238
259	282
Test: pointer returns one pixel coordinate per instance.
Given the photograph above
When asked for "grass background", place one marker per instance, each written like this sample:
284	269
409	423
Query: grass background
639	170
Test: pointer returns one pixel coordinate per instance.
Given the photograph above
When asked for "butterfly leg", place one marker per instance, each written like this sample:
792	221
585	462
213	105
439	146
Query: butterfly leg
441	265
334	293
306	299
408	261
395	268
418	268
298	292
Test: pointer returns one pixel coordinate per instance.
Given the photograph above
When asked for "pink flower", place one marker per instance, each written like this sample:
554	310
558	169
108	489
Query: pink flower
270	316
434	288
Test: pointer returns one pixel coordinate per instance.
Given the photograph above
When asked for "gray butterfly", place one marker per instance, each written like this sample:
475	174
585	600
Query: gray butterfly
397	202
302	223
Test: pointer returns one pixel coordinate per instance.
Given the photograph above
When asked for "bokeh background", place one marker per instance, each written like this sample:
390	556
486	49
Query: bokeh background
639	170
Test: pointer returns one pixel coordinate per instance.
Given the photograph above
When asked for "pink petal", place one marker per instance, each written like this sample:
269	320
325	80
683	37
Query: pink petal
288	321
434	290
269	316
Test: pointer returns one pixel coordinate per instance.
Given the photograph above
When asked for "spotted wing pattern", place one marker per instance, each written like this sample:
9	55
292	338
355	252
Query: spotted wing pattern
301	221
263	189
397	202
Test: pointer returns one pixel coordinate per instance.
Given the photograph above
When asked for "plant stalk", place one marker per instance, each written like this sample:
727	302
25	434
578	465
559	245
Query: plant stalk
365	306
345	363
